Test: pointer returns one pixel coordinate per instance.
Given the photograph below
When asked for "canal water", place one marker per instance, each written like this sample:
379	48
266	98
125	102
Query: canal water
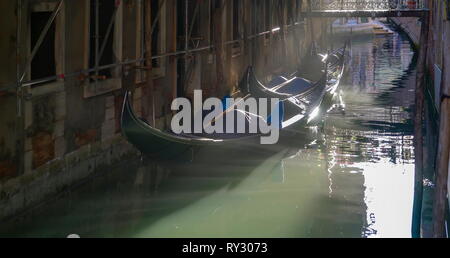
352	176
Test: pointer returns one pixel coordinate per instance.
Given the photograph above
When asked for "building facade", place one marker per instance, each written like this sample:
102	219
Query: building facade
60	111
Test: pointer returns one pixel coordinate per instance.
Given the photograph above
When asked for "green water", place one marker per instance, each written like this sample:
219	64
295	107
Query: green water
352	177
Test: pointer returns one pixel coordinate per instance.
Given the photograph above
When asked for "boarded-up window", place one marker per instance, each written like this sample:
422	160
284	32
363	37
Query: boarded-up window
298	8
105	17
43	64
194	20
158	37
259	16
267	15
236	18
447	5
156	33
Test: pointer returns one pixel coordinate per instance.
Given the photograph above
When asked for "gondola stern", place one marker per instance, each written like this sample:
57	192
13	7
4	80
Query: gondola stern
126	117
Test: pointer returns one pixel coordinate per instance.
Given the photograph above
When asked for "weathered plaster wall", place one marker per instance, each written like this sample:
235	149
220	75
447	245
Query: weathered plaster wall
8	42
57	175
8	116
68	131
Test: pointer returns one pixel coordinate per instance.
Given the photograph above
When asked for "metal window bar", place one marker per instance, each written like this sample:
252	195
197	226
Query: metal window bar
194	18
18	68
21	76
40	40
140	62
186	35
99	49
448	9
97	36
189	36
108	32
130	62
158	15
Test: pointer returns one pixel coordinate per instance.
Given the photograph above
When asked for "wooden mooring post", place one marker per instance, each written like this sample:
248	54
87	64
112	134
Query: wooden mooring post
219	50
443	154
443	157
418	128
148	21
442	169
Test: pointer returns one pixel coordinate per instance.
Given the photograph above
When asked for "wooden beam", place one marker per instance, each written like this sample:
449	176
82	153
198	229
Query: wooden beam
282	21
271	65
172	45
148	59
418	132
442	170
443	152
218	41
39	41
292	19
229	47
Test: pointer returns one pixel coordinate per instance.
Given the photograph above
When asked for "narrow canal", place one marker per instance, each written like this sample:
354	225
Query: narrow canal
353	177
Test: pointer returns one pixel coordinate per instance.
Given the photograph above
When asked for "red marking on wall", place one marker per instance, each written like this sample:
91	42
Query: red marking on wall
86	137
118	103
43	149
8	169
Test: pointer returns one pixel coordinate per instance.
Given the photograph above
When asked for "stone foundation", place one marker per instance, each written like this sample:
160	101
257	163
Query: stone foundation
29	190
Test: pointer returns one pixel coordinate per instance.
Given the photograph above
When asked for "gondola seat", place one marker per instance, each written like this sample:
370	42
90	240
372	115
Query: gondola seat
295	86
277	81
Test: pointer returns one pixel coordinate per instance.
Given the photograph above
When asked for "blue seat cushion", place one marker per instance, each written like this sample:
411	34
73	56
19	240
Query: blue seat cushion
296	86
276	81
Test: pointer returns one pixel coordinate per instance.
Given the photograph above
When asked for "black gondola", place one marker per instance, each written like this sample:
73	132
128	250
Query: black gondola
167	145
299	96
331	68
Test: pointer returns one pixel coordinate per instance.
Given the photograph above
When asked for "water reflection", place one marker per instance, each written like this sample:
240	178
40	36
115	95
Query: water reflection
349	177
374	138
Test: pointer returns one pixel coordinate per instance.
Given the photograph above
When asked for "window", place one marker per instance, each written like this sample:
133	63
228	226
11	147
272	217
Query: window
259	16
44	63
447	5
140	43
236	18
159	34
194	20
298	9
158	41
49	58
105	17
109	35
267	15
156	33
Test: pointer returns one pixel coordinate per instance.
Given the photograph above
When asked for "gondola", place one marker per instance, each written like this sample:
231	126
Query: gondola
332	66
299	98
165	145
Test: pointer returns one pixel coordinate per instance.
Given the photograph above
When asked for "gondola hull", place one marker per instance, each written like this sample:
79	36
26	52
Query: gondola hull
161	145
301	103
